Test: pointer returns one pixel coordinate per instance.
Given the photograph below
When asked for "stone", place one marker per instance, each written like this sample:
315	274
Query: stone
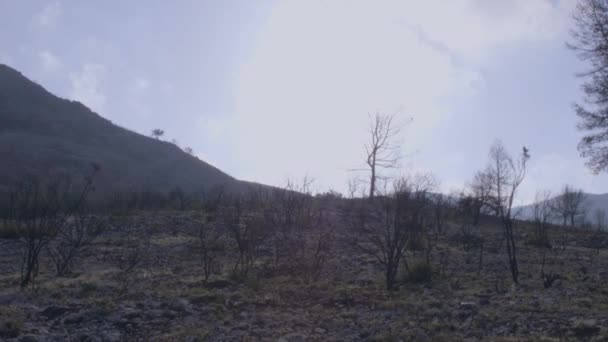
585	327
53	312
293	337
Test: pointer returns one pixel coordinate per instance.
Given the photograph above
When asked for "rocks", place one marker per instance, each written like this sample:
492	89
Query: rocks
585	327
52	312
82	317
181	305
470	306
293	337
320	331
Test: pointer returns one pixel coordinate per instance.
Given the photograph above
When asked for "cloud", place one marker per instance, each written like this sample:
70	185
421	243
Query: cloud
320	67
140	84
49	61
214	128
471	29
48	16
137	99
86	86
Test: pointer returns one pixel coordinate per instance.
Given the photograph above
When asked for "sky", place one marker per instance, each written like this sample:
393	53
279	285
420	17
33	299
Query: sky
270	90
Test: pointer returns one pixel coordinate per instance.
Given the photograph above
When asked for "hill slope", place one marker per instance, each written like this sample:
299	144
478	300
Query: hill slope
593	203
42	134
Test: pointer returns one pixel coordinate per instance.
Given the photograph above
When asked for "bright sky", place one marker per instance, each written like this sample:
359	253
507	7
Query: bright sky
267	90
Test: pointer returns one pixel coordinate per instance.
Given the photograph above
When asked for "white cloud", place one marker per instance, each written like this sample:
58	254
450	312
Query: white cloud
86	86
319	67
48	16
472	28
213	128
49	61
141	84
138	99
318	70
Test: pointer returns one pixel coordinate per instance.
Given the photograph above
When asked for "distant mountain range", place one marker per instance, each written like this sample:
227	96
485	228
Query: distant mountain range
42	134
593	203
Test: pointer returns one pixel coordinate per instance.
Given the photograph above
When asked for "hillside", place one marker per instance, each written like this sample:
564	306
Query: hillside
41	134
593	203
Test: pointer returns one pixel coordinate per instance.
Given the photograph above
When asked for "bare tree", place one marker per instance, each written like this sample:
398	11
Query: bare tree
210	244
246	225
73	238
394	221
157	133
382	152
480	190
133	253
591	45
543	215
600	219
570	205
354	185
40	210
507	175
440	206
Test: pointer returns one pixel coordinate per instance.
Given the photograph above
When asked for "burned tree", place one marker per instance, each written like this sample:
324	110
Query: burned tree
395	220
543	215
600	221
210	244
73	238
157	133
246	225
381	151
506	176
570	205
40	211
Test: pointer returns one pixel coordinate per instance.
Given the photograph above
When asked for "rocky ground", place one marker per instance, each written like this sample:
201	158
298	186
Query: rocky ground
165	298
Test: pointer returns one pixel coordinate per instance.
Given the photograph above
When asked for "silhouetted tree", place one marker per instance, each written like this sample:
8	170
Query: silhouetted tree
74	238
480	196
395	220
381	151
600	219
570	205
157	133
507	175
591	44
40	211
543	214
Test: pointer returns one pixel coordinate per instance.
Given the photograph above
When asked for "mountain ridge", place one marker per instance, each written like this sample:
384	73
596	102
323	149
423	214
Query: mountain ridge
42	134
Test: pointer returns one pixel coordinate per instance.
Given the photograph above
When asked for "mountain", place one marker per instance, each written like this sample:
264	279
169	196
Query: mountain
592	203
41	134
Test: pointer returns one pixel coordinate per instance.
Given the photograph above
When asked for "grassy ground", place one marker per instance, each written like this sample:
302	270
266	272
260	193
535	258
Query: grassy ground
166	298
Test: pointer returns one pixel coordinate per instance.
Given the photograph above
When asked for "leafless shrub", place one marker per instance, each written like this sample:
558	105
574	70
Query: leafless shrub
74	237
210	244
39	211
440	207
543	214
600	220
395	220
310	259
132	253
248	229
